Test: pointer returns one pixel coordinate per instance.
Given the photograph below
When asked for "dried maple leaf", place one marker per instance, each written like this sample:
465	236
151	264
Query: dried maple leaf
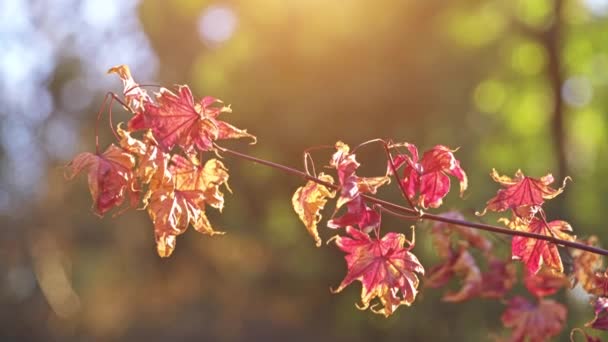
386	269
443	233
429	177
545	283
309	200
601	314
351	187
135	96
534	322
176	201
357	214
587	267
524	195
533	252
460	263
110	176
152	162
498	279
178	120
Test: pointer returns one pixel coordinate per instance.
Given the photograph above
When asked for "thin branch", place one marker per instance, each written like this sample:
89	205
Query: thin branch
421	216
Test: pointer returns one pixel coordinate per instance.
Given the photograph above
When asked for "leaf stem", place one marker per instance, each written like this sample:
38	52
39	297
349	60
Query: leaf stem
420	215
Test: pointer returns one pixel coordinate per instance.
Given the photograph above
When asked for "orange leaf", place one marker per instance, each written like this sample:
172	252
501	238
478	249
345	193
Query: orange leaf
309	200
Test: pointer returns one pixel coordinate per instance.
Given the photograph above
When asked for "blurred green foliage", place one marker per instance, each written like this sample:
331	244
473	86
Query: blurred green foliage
466	73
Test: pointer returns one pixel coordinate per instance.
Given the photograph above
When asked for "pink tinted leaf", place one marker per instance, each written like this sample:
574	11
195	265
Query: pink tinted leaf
386	269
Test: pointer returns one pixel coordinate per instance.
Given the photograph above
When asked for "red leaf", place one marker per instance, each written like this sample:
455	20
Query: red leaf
429	176
178	120
534	253
351	186
601	314
110	177
498	279
534	322
385	268
524	195
460	263
545	283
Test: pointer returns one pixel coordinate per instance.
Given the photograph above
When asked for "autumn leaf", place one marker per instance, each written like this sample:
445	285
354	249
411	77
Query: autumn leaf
534	322
309	200
178	120
524	195
587	269
135	96
601	314
351	187
429	177
110	177
545	283
386	269
180	199
460	263
152	162
357	214
443	233
533	252
498	279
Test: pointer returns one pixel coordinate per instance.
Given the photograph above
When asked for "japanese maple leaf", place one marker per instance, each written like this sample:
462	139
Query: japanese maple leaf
152	161
498	279
587	269
443	234
601	314
135	96
357	214
461	263
534	322
178	120
524	195
545	283
309	200
533	252
110	176
429	176
351	187
180	200
386	269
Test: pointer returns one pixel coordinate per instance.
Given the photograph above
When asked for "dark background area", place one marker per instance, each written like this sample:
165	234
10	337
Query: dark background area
514	84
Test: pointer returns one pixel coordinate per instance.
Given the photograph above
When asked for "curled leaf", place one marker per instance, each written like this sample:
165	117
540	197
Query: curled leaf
545	283
351	187
135	96
587	269
429	177
534	322
110	177
178	200
463	264
309	200
386	269
601	314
